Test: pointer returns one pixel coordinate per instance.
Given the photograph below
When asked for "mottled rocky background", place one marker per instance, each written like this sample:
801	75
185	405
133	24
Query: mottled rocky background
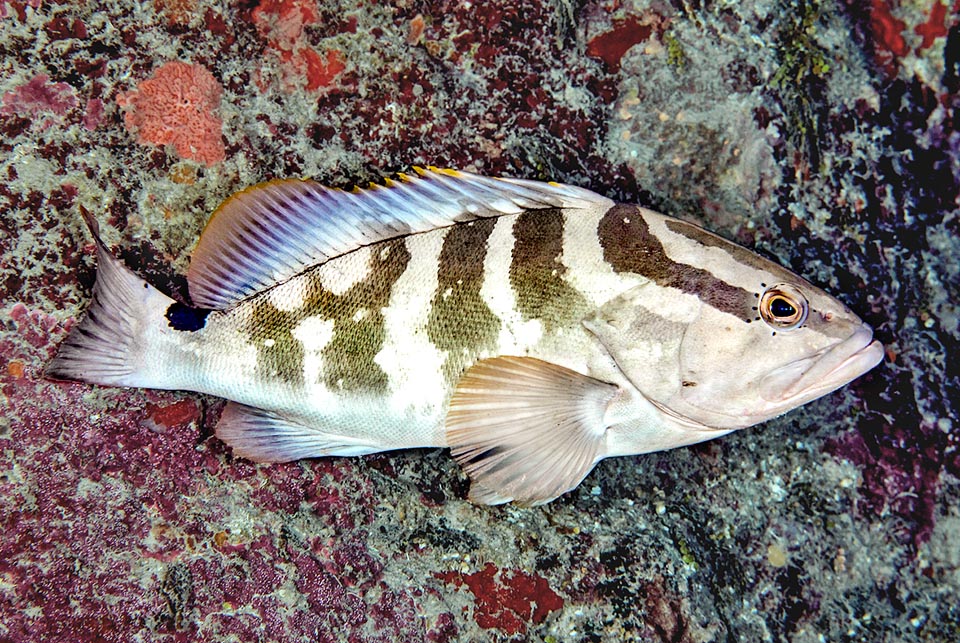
822	133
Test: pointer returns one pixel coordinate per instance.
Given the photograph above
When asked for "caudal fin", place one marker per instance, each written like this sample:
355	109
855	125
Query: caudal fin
108	346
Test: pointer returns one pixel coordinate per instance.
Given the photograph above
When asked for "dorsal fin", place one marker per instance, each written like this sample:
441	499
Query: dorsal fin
265	235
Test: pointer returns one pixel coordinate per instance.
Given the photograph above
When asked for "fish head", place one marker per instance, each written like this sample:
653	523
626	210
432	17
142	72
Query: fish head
800	345
723	338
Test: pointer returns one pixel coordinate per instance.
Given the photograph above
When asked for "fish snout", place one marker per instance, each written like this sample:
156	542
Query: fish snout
809	378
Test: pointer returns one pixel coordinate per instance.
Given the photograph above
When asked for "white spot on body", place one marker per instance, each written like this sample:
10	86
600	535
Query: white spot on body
517	336
313	333
341	274
289	296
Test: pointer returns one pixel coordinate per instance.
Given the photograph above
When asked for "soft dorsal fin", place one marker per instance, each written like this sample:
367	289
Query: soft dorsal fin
268	233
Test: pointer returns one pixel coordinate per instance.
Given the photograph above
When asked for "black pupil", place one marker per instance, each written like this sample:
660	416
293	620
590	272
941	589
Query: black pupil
781	308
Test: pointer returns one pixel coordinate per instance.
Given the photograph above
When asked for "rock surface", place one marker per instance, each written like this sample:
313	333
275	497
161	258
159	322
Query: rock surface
822	133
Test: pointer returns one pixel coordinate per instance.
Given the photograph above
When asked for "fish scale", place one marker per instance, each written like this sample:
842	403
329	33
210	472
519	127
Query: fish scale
533	328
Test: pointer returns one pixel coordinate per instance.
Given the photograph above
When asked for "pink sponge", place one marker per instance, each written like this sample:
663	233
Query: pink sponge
176	107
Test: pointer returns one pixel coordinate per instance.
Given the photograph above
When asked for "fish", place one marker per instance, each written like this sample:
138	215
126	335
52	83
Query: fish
532	328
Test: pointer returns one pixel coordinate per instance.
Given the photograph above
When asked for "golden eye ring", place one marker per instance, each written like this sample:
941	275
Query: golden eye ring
783	307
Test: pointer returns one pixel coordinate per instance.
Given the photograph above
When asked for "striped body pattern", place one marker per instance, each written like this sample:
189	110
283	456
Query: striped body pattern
393	326
533	328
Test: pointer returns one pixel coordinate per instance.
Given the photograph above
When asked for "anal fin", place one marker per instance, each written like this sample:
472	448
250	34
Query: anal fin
264	436
526	430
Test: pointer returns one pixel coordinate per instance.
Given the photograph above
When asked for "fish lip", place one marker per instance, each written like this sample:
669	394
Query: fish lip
829	369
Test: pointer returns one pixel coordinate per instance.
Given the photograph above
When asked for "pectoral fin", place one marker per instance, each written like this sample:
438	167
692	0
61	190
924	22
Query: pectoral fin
526	430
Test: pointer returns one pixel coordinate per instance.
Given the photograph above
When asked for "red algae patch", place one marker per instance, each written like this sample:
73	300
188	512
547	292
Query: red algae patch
888	30
160	418
322	70
176	106
282	23
935	27
507	600
611	46
39	97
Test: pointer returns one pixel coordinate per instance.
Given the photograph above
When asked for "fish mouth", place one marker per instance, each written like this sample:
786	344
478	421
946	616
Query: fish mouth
809	378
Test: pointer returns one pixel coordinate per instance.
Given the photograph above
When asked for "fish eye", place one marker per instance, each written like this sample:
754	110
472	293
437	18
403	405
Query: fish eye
783	307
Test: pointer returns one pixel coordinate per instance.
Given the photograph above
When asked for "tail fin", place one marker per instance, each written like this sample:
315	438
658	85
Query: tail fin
108	346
